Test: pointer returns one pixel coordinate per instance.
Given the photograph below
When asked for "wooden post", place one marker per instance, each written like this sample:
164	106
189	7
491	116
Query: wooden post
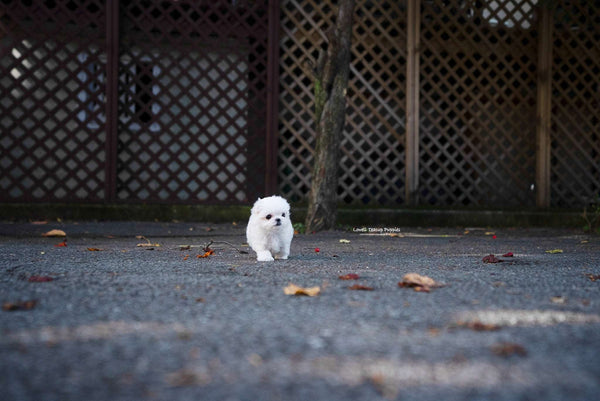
412	102
544	108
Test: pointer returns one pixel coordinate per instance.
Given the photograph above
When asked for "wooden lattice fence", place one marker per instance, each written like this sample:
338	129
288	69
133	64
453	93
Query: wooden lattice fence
136	100
372	162
450	102
575	133
447	102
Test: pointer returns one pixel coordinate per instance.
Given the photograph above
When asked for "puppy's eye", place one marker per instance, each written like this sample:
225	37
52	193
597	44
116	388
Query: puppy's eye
268	217
283	215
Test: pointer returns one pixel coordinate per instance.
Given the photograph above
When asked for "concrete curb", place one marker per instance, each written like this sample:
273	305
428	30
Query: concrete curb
347	216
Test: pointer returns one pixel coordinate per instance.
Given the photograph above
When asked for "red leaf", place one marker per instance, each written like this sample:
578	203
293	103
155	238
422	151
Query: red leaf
508	255
350	276
39	279
62	244
360	287
491	259
317	250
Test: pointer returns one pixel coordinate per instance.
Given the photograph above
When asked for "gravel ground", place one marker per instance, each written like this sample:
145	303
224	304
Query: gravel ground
123	322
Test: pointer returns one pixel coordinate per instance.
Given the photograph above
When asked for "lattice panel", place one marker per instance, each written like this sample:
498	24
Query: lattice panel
575	163
372	160
192	101
52	102
478	96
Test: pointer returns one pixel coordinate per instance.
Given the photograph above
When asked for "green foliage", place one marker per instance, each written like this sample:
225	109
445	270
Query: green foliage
591	215
299	228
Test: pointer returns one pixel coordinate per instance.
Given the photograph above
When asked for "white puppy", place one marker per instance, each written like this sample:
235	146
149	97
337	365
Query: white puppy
269	232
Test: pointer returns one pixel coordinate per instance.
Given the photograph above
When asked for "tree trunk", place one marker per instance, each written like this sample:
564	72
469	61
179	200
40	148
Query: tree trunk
331	81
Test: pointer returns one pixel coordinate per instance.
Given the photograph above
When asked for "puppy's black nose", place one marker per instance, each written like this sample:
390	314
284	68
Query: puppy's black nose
277	221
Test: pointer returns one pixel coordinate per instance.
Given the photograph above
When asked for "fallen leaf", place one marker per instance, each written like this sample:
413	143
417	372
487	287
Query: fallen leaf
506	349
419	283
55	233
206	254
95	249
16	306
350	276
293	289
188	377
39	222
558	300
479	326
593	277
39	279
344	241
490	233
385	386
147	243
491	259
186	257
555	251
360	287
508	255
61	244
317	250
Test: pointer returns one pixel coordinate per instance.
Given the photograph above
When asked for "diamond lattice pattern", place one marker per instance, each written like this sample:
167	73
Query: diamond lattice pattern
478	97
191	102
372	160
575	163
52	102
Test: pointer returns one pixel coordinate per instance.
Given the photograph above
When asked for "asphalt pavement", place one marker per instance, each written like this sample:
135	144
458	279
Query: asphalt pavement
145	311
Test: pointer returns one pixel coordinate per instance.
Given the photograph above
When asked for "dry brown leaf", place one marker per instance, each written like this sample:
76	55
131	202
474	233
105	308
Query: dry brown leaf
360	287
95	249
16	306
491	259
188	377
206	254
593	277
479	326
419	283
509	349
293	289
146	244
55	233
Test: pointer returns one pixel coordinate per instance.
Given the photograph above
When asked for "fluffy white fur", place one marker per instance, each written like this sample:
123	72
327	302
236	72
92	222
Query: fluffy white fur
269	231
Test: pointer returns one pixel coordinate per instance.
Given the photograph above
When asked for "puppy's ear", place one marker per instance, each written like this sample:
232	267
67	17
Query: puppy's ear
256	209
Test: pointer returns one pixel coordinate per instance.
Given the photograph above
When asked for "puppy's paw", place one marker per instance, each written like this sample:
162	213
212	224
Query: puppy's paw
264	256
